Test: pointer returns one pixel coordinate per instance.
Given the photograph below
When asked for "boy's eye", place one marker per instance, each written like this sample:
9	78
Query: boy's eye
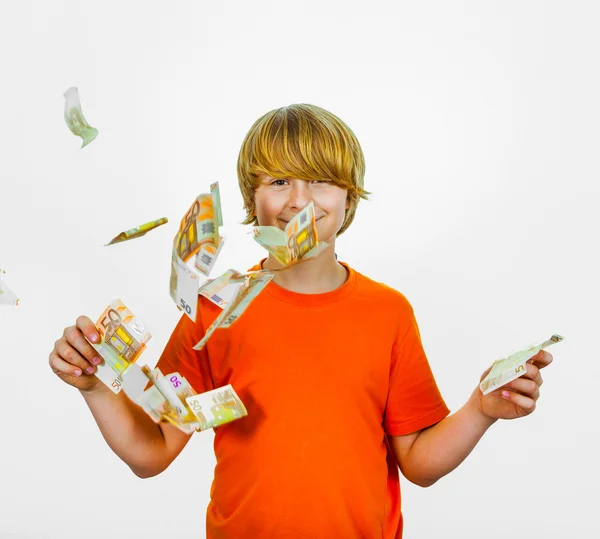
278	182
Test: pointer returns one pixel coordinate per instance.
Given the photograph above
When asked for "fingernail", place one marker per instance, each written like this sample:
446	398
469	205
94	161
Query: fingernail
505	394
90	370
96	360
93	337
77	372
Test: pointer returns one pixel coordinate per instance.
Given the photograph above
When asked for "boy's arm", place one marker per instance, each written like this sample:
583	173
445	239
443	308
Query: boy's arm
146	447
428	455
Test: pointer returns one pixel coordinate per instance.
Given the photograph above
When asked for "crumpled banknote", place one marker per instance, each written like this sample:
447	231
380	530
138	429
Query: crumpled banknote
216	407
510	368
253	284
123	338
212	288
198	235
171	398
199	230
7	296
75	119
138	231
298	241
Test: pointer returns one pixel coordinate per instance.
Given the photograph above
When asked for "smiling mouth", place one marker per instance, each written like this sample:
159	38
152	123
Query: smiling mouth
286	222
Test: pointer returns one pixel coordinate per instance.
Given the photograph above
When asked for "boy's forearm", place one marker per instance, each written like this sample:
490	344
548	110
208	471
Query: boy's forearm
441	448
129	431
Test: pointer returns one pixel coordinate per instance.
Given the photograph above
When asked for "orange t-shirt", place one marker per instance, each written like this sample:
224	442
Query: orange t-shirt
324	377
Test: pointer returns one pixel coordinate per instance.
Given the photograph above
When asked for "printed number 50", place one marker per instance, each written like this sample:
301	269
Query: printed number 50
185	306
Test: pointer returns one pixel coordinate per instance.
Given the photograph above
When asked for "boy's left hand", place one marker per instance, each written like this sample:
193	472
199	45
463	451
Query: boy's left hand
517	398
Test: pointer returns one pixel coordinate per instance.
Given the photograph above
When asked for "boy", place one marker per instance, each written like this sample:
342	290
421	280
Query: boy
329	364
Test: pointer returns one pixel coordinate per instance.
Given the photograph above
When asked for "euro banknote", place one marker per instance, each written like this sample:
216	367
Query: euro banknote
138	231
299	240
200	226
216	407
207	256
253	284
123	338
7	296
75	119
165	399
171	398
510	368
183	286
154	401
198	235
212	288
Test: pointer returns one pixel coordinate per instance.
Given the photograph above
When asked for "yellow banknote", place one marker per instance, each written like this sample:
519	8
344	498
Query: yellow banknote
299	240
200	224
123	338
138	231
198	235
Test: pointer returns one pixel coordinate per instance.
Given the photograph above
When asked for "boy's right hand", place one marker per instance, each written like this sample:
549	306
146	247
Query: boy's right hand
74	360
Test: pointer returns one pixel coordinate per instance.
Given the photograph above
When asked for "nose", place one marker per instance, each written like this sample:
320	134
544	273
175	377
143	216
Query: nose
300	194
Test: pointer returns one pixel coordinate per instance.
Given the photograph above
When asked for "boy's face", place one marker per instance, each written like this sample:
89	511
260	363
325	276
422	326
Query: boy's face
277	201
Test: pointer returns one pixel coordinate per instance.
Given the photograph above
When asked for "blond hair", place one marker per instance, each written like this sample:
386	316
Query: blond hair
306	142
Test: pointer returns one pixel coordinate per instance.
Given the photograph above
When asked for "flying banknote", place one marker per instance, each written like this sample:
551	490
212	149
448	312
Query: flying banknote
7	296
138	231
75	119
171	398
198	235
253	284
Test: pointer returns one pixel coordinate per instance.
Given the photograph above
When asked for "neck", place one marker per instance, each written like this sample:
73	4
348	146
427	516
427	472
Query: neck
317	275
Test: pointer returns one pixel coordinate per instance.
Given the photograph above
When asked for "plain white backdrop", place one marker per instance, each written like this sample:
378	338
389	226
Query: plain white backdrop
479	123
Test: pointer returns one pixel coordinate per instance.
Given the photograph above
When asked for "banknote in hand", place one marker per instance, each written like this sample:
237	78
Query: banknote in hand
510	368
123	338
7	296
75	119
138	231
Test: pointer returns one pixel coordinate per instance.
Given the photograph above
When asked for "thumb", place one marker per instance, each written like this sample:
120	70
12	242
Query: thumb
485	373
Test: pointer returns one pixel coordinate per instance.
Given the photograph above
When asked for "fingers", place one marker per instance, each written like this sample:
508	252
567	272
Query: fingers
59	366
533	373
522	401
542	359
525	387
66	353
88	328
486	372
75	337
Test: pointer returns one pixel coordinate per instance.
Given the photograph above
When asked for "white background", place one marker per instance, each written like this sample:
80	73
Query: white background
479	122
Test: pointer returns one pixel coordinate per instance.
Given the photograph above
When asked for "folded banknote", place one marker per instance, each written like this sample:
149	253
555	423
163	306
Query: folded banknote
510	368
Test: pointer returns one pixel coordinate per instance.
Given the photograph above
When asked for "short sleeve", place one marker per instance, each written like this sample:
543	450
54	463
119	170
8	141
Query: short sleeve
179	354
414	400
